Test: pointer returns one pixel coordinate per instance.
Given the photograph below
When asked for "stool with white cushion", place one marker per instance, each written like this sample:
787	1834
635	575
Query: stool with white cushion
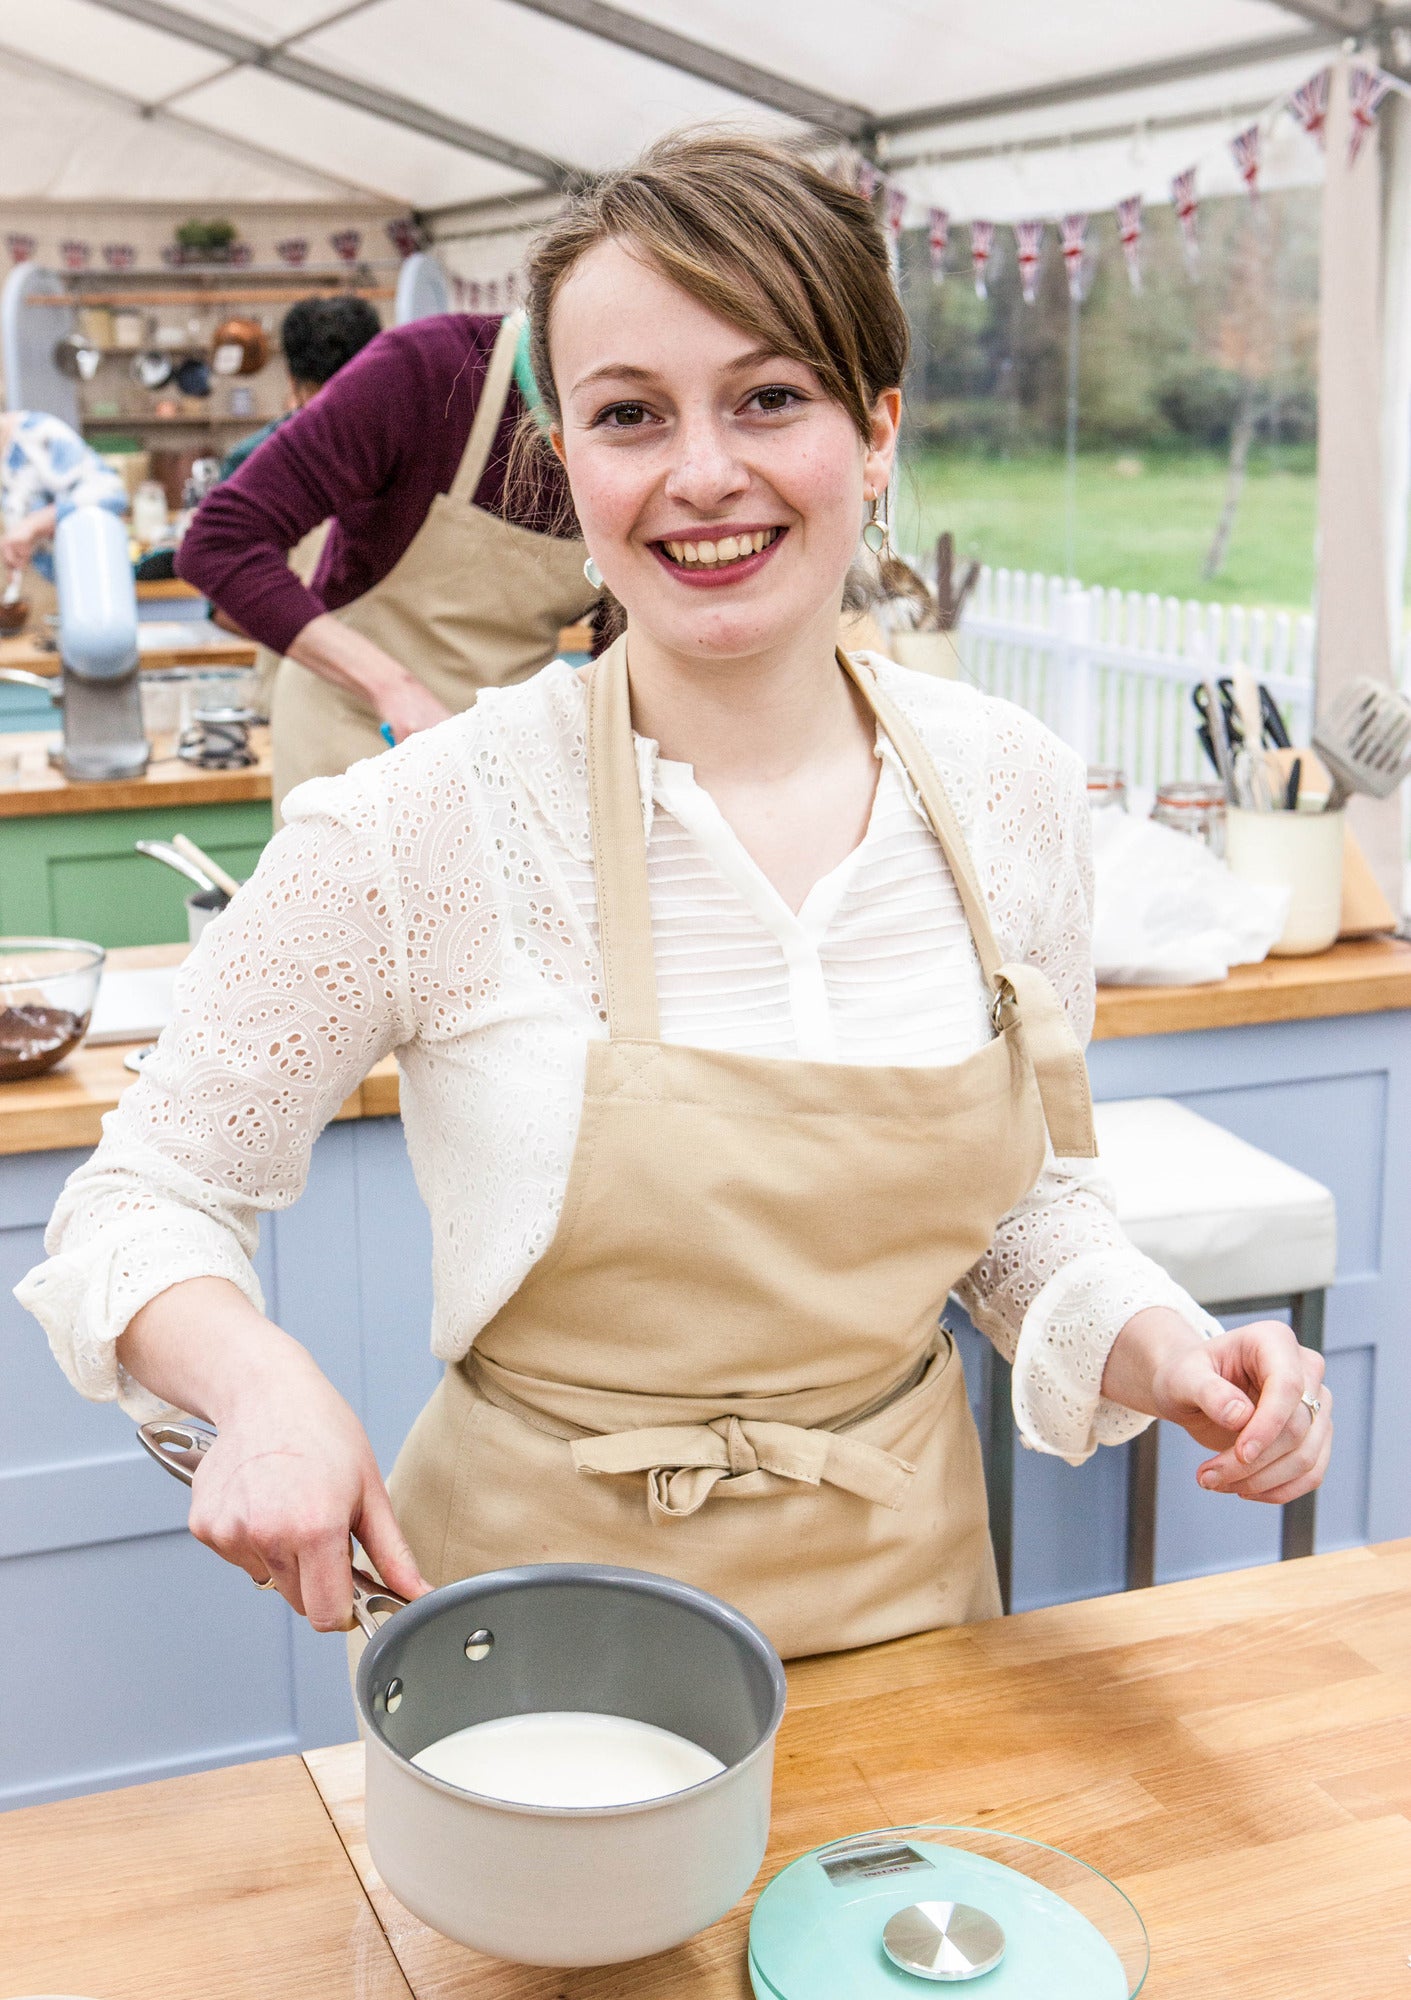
1240	1231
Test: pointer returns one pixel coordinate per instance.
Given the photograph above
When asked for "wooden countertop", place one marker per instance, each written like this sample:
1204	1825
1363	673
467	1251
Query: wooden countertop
1358	976
26	652
1232	1751
65	1108
40	789
227	1886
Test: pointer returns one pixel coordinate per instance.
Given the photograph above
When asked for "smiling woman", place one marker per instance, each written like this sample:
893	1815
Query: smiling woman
738	988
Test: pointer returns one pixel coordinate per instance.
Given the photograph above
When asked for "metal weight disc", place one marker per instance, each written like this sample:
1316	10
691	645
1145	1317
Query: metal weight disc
943	1941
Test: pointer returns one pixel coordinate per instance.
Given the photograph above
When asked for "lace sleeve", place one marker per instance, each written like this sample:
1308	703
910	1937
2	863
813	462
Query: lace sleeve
1060	1279
285	1005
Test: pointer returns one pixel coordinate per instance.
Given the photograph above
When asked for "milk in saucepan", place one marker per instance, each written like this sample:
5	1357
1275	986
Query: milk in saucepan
566	1758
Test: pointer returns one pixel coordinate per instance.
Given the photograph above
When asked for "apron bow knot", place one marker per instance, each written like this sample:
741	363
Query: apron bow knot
685	1463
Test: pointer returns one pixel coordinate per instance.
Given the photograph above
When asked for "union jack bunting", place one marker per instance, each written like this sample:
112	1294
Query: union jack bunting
472	293
896	209
119	256
1186	206
292	250
404	235
74	255
1129	228
1028	249
347	243
982	243
1309	105
869	179
1365	88
1246	148
20	246
1074	231
492	296
938	238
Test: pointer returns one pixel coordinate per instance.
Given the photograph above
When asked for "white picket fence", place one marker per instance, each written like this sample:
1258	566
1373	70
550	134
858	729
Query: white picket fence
1112	671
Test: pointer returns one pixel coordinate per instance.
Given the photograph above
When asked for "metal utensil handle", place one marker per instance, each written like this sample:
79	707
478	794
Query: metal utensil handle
179	1448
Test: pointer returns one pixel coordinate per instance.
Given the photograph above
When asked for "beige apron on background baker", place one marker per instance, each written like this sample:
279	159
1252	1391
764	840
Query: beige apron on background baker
472	602
728	1365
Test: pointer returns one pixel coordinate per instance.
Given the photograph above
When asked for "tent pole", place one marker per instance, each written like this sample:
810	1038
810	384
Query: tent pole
1354	635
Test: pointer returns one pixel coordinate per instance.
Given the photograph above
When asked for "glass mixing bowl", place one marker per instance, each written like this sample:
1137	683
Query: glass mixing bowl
47	990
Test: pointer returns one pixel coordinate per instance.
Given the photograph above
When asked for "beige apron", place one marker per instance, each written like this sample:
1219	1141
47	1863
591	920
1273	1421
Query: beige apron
728	1365
472	602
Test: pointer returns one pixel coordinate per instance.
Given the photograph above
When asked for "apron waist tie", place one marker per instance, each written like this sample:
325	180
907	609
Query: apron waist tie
685	1463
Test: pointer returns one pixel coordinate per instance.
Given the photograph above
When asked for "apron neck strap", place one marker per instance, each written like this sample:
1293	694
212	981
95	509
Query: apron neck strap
620	846
494	395
923	774
620	854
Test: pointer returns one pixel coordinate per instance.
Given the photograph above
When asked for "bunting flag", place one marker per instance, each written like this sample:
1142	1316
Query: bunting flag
1366	88
73	255
938	238
20	246
1187	207
1129	228
869	179
1246	148
292	250
1028	249
1074	231
405	235
895	209
1309	105
492	296
472	293
982	243
119	256
346	244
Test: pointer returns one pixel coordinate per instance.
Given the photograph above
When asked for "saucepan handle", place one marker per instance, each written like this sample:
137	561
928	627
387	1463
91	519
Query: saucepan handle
179	1445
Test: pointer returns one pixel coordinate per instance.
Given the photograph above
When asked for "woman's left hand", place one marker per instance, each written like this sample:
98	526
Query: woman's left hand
1240	1393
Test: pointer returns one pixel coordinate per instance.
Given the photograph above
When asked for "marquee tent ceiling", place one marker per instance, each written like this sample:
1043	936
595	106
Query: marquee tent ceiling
455	108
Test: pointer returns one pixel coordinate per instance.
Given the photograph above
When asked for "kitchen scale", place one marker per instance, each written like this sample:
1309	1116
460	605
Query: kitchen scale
895	1913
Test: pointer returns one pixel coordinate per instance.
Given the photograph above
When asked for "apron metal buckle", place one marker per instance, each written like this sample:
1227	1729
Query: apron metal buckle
1005	998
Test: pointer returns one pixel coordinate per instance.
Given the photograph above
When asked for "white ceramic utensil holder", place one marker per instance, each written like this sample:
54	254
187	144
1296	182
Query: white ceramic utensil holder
1299	851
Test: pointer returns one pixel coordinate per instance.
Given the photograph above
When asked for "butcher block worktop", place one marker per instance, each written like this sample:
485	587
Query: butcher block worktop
167	781
1369	976
1232	1751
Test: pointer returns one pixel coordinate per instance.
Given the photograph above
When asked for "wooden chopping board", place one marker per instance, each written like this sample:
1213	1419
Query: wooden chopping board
1235	1752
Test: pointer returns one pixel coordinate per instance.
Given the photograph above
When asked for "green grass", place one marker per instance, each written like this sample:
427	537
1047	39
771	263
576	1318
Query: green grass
1144	529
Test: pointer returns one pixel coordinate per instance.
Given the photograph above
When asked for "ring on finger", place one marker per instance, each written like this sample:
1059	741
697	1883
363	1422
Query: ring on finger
263	1582
1311	1403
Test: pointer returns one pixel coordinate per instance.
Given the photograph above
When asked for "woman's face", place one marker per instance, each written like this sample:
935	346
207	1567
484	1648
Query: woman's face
719	490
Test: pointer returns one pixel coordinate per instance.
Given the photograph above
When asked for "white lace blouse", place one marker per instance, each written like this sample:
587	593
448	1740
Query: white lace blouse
439	901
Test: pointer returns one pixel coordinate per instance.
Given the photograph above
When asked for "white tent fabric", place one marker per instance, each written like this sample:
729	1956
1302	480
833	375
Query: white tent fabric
446	104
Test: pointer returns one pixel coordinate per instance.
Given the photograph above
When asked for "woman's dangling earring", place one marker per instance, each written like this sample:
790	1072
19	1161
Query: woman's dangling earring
874	534
593	574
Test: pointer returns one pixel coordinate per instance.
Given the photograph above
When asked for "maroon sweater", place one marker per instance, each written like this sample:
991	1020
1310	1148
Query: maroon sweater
372	449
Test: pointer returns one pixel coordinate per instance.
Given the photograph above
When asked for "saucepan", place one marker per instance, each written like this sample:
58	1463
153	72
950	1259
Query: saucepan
556	1885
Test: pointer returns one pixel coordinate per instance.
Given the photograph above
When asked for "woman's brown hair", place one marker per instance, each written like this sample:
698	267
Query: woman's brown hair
759	235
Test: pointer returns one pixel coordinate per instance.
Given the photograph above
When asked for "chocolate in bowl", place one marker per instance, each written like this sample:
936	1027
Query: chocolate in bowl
48	986
14	617
33	1039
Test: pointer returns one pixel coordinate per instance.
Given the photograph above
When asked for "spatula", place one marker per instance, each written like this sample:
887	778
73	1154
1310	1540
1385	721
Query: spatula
1364	739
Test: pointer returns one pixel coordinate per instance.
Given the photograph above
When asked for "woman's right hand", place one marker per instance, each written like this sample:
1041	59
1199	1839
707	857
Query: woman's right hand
351	660
291	1474
290	1477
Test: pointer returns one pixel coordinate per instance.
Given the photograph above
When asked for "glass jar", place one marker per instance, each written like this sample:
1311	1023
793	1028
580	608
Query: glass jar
1107	786
1195	806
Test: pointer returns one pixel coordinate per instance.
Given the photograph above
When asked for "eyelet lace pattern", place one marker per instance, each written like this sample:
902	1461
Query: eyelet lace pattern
439	902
